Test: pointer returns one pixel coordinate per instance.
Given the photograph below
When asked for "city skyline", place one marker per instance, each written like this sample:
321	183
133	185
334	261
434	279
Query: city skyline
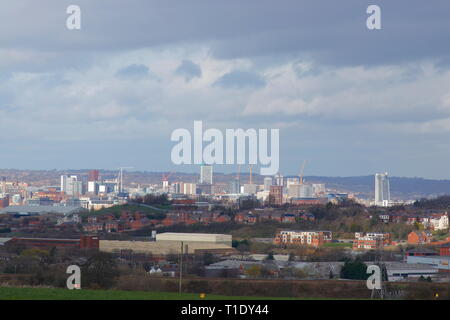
195	169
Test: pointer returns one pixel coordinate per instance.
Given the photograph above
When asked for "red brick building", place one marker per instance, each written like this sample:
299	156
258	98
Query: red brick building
85	242
93	175
419	237
371	240
276	195
4	202
311	238
444	250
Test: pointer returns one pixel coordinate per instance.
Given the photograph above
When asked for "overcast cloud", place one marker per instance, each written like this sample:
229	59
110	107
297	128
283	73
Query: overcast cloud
350	100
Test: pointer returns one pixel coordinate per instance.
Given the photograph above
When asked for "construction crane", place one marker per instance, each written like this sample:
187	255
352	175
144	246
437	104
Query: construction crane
165	177
120	177
165	181
301	171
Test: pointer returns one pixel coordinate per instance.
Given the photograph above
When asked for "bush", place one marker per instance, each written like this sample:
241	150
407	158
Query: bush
100	271
356	270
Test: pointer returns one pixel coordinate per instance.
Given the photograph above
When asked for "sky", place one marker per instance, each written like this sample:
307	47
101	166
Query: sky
349	100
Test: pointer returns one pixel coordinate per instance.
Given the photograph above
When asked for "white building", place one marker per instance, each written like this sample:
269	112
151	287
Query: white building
206	174
189	188
439	222
319	189
267	183
195	237
93	187
71	186
300	191
250	188
292	180
382	190
398	271
279	180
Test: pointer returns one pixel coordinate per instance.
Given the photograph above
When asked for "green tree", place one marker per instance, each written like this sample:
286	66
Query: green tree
270	256
100	271
356	270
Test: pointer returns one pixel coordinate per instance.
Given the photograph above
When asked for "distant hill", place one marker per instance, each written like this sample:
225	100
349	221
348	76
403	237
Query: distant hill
404	188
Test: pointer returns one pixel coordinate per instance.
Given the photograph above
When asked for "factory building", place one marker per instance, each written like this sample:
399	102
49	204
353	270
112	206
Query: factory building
85	242
195	237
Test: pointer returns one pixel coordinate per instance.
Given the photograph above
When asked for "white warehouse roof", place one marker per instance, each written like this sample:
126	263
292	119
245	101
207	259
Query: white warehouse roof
195	237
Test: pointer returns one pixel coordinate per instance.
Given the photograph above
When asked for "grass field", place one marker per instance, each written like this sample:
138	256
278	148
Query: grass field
12	293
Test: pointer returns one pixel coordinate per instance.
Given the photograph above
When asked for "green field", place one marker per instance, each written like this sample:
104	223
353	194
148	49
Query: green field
11	293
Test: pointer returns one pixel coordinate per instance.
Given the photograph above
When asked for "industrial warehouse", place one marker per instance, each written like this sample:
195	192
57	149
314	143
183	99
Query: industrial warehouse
166	243
169	243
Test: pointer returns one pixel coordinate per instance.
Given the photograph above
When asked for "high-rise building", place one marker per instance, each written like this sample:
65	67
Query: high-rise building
300	191
71	186
189	188
177	187
382	192
165	185
93	187
279	180
319	189
267	183
276	195
206	174
292	180
234	186
93	175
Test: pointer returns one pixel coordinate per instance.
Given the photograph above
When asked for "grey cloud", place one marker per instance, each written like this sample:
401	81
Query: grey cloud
330	32
133	71
265	34
240	79
189	70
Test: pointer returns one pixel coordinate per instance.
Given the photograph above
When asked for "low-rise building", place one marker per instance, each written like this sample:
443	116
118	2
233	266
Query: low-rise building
444	250
84	242
419	237
420	252
312	238
398	271
371	240
225	239
442	263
